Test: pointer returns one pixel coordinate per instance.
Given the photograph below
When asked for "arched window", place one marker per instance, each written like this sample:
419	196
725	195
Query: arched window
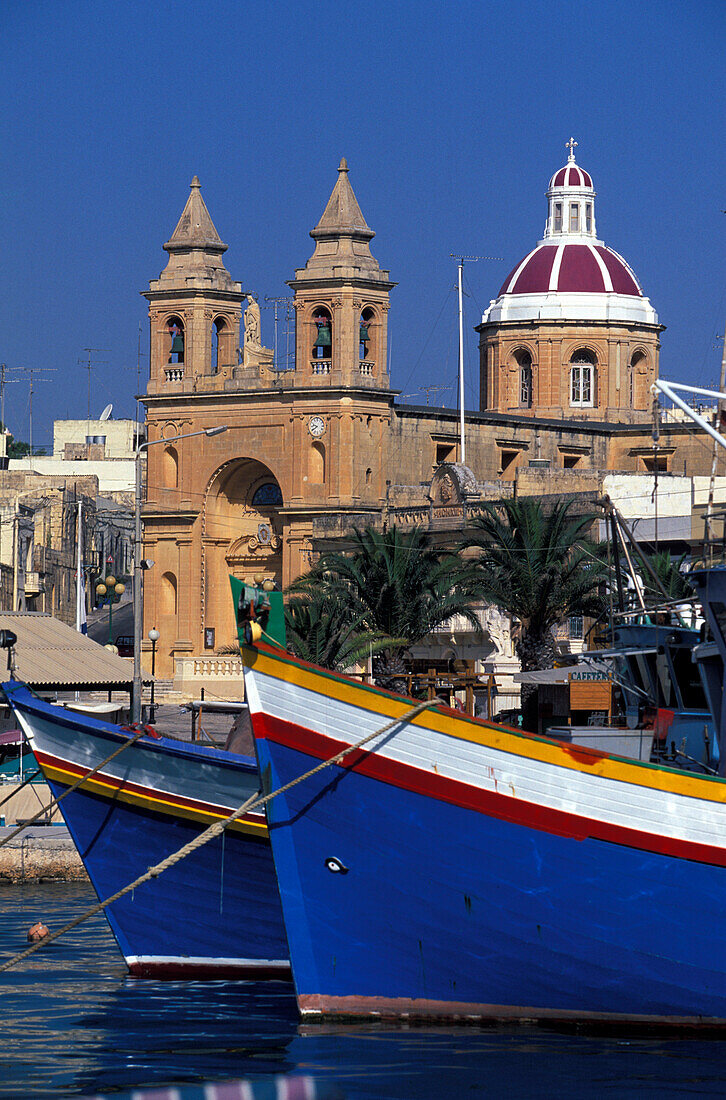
221	345
638	363
167	595
317	463
170	468
524	362
175	340
582	379
574	217
323	338
365	346
267	496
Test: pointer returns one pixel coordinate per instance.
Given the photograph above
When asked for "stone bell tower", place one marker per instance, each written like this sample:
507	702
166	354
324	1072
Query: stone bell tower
194	308
342	301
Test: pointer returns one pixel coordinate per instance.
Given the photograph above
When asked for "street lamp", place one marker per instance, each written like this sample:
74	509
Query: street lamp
153	638
112	590
138	566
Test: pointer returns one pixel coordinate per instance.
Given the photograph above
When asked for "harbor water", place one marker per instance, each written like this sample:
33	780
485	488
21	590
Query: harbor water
73	1023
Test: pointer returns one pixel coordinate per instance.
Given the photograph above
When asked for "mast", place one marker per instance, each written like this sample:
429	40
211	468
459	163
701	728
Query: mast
461	361
471	259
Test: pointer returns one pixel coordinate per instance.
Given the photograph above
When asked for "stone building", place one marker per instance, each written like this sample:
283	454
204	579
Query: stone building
38	539
326	445
571	333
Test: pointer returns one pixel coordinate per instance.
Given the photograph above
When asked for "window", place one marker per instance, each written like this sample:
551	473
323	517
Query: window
267	495
509	461
175	330
569	461
219	332
524	360
323	338
577	627
558	217
445	452
317	463
365	344
588	217
582	379
638	365
574	217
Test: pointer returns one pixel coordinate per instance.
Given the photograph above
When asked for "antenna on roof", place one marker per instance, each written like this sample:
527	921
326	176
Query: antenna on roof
106	414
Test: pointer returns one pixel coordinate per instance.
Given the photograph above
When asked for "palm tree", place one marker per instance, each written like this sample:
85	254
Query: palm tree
538	566
669	572
320	629
398	585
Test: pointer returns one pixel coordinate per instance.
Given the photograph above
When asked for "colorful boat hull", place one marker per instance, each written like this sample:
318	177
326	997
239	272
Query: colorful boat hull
453	868
214	914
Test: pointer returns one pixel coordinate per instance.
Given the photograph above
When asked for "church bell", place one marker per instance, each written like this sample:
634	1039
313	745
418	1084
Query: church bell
322	340
364	337
177	345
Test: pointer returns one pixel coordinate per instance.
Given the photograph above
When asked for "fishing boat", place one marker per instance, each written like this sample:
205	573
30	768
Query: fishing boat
452	868
217	912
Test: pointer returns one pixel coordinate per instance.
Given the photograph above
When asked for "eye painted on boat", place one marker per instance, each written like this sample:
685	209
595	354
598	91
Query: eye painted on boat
335	866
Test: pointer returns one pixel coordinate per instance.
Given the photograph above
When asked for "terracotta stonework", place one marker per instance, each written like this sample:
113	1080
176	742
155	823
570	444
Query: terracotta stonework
324	445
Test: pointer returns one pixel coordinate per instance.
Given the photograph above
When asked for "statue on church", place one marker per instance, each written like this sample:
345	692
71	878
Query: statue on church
252	323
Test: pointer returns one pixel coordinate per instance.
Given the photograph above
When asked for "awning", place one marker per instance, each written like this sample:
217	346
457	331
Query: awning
51	655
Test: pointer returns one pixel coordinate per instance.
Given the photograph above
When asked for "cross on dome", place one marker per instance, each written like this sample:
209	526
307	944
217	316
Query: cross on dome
571	146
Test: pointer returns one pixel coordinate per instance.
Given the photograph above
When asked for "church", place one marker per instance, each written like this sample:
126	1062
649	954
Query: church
568	352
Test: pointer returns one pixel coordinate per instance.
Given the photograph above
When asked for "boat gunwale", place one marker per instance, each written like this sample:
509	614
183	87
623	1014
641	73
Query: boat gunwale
569	758
110	731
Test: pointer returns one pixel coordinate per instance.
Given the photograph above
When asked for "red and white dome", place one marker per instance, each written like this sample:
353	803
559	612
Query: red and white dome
571	275
571	176
572	268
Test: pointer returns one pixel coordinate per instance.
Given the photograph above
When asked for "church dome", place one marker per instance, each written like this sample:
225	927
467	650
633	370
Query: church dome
571	274
577	268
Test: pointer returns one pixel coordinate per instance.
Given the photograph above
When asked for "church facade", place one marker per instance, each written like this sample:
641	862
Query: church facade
565	388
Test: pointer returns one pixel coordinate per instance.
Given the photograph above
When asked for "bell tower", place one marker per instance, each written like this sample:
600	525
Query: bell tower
341	301
194	308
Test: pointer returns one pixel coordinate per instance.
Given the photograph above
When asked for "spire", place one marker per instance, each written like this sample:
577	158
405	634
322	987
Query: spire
195	229
342	215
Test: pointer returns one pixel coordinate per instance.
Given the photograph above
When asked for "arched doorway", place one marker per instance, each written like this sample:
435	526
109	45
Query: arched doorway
242	535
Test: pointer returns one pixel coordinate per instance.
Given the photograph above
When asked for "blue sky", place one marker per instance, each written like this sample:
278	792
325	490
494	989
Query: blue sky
452	117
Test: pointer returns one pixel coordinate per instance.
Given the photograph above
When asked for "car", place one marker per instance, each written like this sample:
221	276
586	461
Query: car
125	645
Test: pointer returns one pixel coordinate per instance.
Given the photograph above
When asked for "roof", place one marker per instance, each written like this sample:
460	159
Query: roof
576	268
342	214
50	654
571	176
195	228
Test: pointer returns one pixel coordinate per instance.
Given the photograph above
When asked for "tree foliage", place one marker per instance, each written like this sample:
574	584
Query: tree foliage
320	629
395	584
538	565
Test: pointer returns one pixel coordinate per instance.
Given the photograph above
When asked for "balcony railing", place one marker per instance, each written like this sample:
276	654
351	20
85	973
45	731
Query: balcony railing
366	367
174	374
321	366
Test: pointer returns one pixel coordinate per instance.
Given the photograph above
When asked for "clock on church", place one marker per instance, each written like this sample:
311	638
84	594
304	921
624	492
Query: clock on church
316	426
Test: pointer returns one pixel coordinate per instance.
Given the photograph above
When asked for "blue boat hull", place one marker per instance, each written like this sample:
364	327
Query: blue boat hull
398	903
214	914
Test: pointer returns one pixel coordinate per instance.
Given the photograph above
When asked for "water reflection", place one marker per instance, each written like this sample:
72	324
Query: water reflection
73	1022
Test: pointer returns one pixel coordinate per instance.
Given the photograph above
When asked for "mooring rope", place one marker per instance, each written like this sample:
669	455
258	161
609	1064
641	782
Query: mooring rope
252	803
45	809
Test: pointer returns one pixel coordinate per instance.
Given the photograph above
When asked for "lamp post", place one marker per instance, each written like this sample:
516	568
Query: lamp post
138	567
153	638
112	590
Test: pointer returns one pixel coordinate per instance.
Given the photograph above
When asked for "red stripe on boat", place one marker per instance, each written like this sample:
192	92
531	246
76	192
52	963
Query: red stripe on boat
455	792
